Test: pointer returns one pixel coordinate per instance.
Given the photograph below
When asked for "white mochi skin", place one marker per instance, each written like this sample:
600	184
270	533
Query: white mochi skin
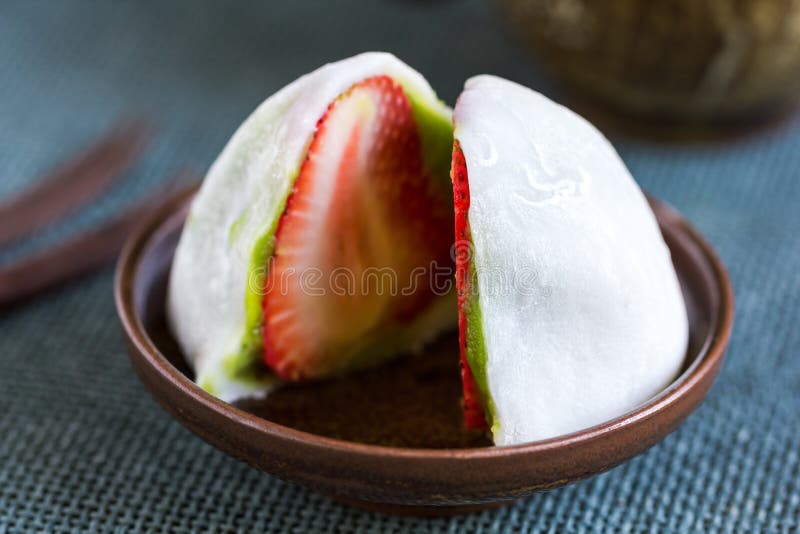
582	313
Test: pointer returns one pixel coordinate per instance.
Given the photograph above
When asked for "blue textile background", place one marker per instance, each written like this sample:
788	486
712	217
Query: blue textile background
84	448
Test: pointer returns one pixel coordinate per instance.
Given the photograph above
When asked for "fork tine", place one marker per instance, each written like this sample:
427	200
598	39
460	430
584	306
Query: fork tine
73	182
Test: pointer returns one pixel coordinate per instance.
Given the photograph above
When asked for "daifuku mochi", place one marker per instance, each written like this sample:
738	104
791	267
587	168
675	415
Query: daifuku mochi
299	258
571	313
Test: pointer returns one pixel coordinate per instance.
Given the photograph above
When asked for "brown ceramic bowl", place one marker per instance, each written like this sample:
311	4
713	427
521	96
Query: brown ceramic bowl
390	439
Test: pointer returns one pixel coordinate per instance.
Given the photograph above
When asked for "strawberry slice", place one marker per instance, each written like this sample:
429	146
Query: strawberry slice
474	416
363	218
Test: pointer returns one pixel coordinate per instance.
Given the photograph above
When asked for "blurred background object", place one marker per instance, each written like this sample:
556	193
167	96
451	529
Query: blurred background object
672	61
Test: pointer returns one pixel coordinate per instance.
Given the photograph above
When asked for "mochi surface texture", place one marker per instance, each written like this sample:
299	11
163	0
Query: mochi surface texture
215	290
580	309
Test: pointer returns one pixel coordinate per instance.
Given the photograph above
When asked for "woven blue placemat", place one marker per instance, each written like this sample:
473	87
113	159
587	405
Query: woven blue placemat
84	448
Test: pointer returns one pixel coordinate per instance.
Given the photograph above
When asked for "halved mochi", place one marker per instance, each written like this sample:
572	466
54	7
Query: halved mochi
311	245
570	309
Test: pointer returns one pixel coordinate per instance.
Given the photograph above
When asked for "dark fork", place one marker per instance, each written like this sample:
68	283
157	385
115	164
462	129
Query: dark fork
81	254
73	183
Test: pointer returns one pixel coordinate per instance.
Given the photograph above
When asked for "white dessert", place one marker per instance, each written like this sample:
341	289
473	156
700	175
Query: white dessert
581	311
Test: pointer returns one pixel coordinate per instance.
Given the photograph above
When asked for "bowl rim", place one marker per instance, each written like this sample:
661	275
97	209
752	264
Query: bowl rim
707	362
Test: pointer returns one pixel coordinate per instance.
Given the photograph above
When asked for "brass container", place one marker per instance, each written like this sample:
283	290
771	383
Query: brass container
677	60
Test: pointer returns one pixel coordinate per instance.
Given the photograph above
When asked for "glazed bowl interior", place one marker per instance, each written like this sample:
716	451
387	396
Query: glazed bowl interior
394	435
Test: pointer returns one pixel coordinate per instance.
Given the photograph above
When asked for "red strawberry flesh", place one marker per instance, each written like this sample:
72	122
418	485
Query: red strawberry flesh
474	417
364	215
